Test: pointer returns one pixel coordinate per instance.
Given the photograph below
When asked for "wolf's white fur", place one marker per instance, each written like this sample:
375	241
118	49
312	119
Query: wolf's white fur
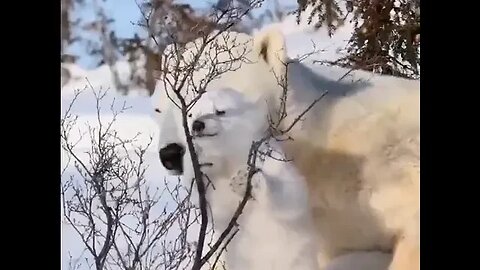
358	148
275	228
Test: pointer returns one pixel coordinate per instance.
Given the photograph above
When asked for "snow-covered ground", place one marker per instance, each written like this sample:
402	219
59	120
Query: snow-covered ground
137	119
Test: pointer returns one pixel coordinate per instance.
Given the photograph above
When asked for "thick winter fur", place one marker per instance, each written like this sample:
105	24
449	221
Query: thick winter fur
275	228
358	148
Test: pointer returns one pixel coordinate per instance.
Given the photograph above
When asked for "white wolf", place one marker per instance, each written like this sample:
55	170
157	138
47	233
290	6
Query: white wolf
358	148
275	228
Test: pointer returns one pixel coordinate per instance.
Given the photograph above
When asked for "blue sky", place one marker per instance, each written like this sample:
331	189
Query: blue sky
124	12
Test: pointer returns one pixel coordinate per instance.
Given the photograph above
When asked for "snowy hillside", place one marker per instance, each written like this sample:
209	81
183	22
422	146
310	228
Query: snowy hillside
137	119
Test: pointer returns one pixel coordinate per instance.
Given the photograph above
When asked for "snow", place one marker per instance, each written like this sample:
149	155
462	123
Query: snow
303	39
137	119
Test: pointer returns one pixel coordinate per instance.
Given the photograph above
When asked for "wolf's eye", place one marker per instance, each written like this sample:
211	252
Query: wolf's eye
157	110
219	112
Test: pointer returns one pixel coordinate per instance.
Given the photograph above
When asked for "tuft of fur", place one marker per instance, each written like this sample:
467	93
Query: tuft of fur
270	46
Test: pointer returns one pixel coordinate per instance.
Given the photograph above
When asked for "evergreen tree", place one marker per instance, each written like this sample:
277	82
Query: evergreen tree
386	32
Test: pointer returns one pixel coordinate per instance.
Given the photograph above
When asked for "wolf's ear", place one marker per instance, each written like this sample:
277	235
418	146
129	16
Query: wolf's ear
270	47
